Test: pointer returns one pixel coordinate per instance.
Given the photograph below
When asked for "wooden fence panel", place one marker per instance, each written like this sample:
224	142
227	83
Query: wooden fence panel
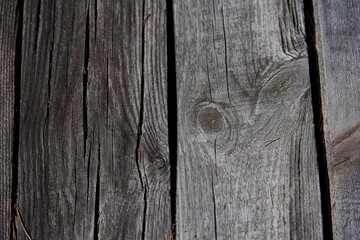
337	25
7	100
247	164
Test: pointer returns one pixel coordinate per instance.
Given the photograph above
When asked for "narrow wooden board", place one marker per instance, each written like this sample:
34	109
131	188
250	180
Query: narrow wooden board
56	181
337	32
247	164
155	141
127	118
7	99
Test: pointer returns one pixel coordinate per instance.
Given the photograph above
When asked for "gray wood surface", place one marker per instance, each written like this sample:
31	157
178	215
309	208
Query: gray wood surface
56	194
127	118
93	92
243	80
338	45
7	98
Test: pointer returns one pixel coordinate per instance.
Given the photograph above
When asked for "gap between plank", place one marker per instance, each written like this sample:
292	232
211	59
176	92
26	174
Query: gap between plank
141	119
172	111
16	128
318	118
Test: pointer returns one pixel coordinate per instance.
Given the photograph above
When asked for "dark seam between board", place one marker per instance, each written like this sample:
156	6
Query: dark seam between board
318	119
172	111
141	119
16	126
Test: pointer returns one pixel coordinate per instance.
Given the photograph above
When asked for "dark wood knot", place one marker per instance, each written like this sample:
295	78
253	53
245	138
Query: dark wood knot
158	163
211	120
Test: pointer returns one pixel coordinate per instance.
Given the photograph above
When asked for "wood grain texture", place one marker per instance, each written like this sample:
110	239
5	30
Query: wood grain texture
93	92
243	80
56	182
127	118
7	99
337	32
155	140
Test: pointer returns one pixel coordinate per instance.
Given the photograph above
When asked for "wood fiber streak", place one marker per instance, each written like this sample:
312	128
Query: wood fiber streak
242	80
337	32
7	98
155	161
56	182
127	118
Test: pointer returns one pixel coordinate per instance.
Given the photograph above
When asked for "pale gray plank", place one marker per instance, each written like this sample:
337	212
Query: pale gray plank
337	32
243	79
7	99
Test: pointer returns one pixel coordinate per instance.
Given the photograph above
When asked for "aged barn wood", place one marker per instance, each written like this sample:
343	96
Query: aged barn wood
247	165
337	24
56	192
7	100
94	158
127	118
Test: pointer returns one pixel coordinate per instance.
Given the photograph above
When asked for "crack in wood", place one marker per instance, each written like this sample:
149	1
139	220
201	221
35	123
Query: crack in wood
97	196
141	119
318	119
226	58
172	112
16	126
85	82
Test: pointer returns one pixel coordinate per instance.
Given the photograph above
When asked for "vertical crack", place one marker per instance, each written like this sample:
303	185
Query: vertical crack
85	82
16	127
141	119
214	208
225	49
318	118
97	197
50	67
172	111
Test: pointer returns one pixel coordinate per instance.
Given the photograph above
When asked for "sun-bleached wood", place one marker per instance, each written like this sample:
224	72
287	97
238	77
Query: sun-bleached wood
247	164
337	32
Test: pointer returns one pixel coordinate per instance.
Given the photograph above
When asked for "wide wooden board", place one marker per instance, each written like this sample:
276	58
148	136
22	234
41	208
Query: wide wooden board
337	32
247	164
7	100
93	160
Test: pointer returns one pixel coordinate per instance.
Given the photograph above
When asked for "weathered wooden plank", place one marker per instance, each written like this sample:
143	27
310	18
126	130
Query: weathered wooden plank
242	80
56	181
7	99
155	141
127	129
337	32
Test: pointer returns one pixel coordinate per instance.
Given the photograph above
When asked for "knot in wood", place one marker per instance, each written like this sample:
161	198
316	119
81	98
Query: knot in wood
158	163
211	120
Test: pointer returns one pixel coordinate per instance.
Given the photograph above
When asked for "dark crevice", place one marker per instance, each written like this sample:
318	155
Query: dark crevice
16	127
95	7
141	119
214	208
318	119
97	197
50	67
37	24
172	111
225	50
85	82
144	214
